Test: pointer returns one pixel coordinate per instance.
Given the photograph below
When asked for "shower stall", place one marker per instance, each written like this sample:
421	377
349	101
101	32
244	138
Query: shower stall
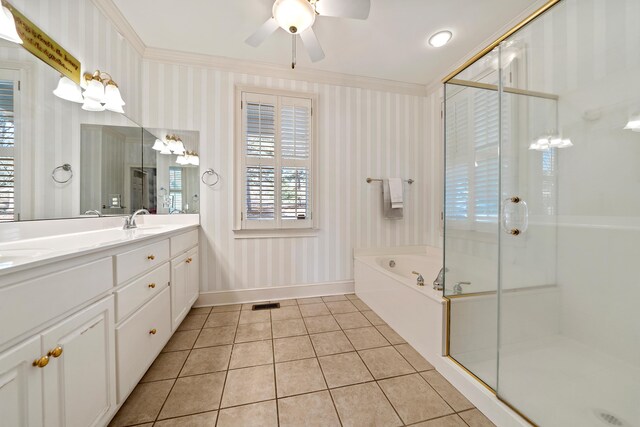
542	215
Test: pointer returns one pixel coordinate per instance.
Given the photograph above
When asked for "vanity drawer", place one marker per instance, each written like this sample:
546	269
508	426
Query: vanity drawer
140	290
140	339
132	263
26	305
183	242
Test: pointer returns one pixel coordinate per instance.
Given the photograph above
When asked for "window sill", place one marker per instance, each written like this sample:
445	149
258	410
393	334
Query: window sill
283	233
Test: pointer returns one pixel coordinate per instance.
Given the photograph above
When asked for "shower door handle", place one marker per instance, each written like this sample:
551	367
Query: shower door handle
514	216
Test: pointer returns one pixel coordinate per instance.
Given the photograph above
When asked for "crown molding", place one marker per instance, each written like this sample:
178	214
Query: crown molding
113	14
281	71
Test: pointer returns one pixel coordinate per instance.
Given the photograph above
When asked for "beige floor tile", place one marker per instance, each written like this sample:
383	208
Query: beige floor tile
191	395
373	318
253	332
414	399
288	328
351	296
385	362
249	306
200	310
308	410
216	336
344	369
449	393
317	309
321	324
352	320
225	308
207	360
448	421
249	385
363	338
328	343
181	341
299	376
338	307
251	354
143	404
392	336
332	298
293	348
475	418
360	305
313	300
206	419
287	302
193	321
263	414
166	366
284	313
229	318
364	405
414	358
259	316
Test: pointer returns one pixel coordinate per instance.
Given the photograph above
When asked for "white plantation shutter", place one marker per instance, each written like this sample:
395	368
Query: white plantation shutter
276	161
486	174
7	150
457	159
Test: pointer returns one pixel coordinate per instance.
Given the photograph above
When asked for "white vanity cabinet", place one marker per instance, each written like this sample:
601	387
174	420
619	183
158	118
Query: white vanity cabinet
77	336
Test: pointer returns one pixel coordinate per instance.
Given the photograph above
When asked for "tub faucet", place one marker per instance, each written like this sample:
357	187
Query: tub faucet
438	284
93	212
419	279
130	221
457	288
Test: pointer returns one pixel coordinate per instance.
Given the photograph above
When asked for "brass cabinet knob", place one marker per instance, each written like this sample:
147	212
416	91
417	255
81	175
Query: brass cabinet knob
153	331
151	257
56	352
152	285
514	231
189	260
42	362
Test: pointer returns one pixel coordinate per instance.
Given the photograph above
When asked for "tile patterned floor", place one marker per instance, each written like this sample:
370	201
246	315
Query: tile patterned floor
325	361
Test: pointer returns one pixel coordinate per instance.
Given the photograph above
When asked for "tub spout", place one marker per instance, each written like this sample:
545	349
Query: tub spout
438	284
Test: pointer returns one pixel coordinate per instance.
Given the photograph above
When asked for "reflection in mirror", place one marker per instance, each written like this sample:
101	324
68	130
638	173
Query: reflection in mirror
172	173
111	180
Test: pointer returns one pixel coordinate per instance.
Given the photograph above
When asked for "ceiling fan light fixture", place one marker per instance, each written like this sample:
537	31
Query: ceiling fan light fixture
294	16
440	38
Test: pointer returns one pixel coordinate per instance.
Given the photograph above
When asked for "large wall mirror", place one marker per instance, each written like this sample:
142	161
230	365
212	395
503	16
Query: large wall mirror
60	161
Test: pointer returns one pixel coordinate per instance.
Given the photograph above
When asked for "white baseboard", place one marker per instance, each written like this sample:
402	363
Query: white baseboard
237	296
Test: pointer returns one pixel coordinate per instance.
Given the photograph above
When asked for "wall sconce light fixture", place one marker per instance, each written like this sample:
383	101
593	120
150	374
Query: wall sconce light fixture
101	92
8	26
173	145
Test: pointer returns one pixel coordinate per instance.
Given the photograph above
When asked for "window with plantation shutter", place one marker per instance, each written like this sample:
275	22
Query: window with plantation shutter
8	87
276	159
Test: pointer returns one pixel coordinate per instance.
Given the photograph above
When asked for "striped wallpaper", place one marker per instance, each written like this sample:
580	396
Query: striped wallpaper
361	133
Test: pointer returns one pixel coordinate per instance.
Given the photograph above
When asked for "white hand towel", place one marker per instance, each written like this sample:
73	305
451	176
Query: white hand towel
387	210
395	190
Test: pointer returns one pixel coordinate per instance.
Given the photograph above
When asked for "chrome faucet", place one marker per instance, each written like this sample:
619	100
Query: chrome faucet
130	221
457	288
419	279
94	212
438	284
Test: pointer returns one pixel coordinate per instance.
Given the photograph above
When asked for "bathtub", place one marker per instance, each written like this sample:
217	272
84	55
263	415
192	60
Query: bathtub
385	282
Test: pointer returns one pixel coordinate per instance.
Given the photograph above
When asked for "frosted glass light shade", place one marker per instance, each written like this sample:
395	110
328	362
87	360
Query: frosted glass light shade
294	16
95	91
112	95
195	160
68	90
440	38
92	105
178	148
158	145
633	125
116	108
182	160
8	26
165	150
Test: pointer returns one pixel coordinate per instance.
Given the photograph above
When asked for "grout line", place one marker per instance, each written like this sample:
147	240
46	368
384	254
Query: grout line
335	408
275	378
226	373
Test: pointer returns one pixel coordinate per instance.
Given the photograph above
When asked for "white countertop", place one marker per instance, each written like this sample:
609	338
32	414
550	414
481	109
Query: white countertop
32	252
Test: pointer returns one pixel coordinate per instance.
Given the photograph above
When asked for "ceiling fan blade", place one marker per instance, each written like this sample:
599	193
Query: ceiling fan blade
312	45
356	9
263	32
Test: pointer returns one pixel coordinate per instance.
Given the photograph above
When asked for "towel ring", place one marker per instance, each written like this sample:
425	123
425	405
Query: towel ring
210	172
67	168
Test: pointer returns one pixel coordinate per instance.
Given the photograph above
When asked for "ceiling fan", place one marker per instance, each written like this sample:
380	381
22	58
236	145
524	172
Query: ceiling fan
297	17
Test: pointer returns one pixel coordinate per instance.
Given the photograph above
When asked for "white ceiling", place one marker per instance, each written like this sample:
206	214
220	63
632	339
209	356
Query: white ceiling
390	45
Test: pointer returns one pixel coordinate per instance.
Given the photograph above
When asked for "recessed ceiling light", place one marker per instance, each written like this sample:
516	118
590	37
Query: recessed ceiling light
440	38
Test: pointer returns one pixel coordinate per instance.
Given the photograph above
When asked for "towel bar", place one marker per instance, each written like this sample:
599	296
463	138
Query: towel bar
370	180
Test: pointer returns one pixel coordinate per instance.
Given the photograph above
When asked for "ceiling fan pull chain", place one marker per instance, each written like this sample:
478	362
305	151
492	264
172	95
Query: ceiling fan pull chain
293	51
